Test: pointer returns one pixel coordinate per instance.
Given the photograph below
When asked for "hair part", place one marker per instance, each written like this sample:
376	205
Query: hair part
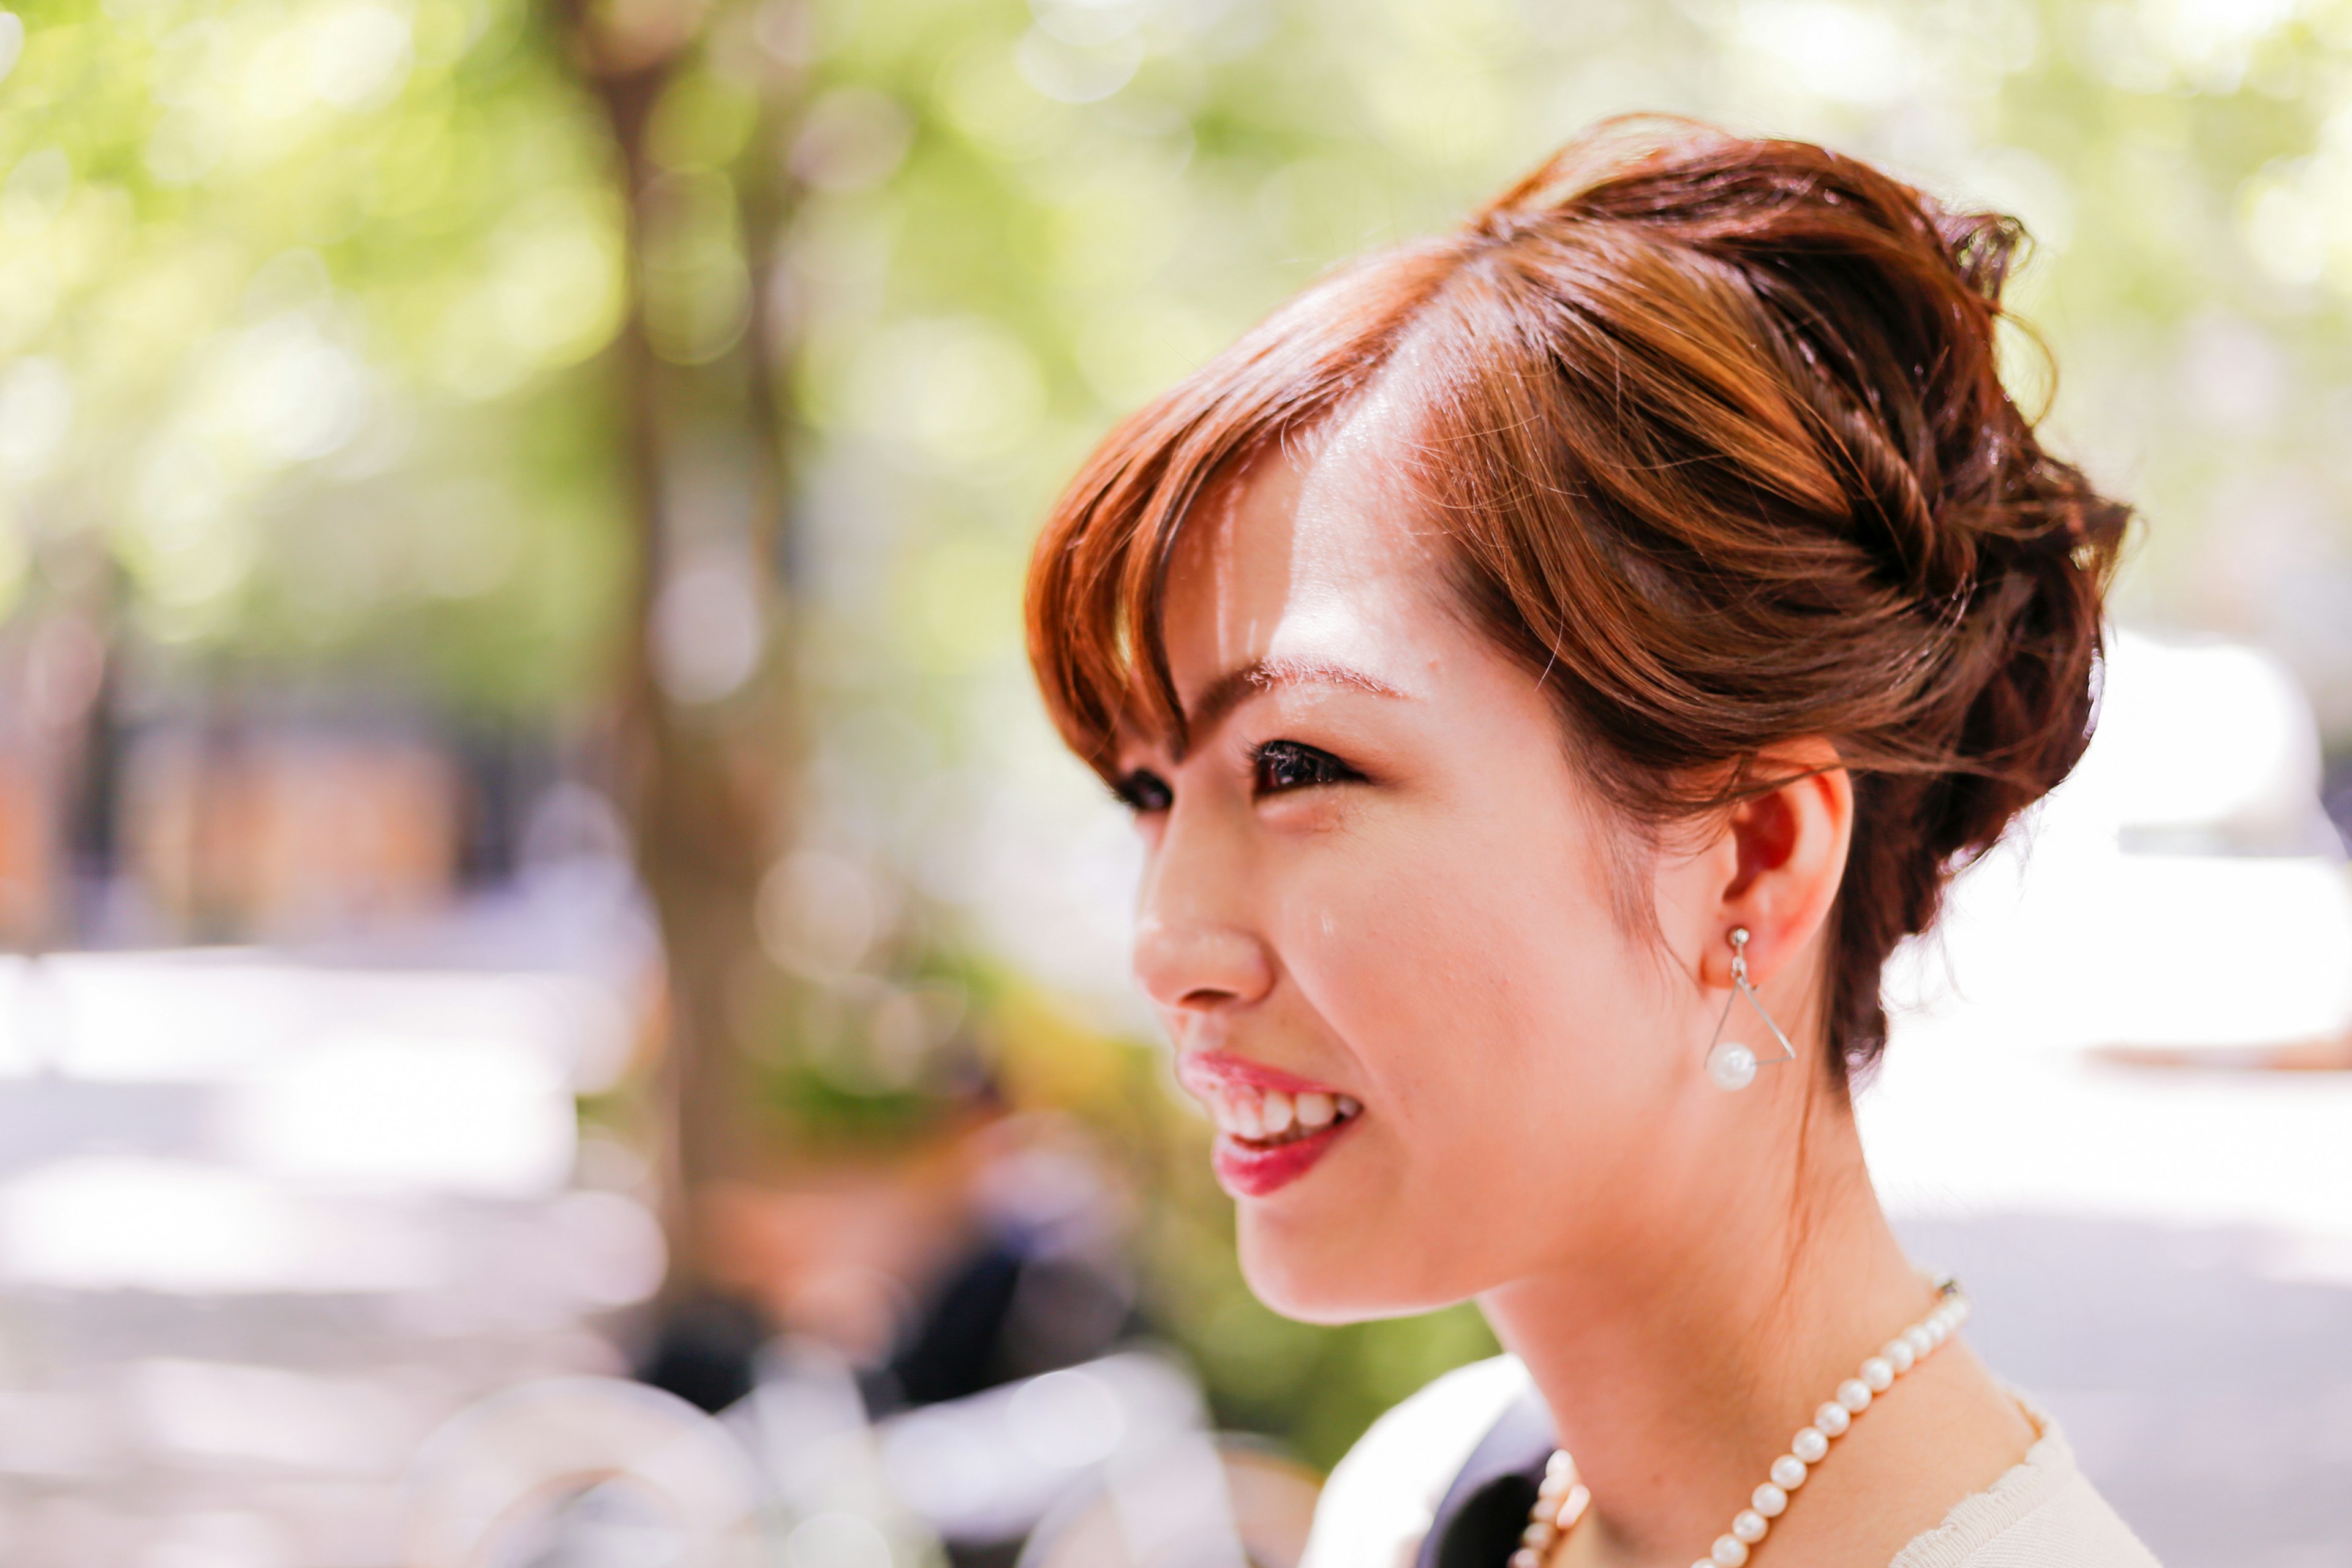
1714	431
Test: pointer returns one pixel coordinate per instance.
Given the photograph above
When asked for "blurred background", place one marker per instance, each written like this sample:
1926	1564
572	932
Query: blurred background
563	1004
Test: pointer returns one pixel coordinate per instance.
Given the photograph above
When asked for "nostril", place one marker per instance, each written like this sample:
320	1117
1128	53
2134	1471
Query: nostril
1205	996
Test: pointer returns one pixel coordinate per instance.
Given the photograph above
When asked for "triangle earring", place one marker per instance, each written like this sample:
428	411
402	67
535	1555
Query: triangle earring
1731	1065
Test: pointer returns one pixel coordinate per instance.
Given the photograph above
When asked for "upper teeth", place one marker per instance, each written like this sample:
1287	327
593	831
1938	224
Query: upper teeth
1247	1111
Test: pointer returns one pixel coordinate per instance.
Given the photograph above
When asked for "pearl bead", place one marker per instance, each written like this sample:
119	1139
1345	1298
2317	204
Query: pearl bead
1731	1065
1561	1499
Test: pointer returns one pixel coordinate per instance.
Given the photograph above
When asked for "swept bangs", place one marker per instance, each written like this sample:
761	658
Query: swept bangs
1098	580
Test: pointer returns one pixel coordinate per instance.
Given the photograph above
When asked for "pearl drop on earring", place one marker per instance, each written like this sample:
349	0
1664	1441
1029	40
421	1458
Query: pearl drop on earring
1731	1065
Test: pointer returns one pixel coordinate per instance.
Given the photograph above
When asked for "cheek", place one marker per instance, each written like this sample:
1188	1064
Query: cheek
1480	983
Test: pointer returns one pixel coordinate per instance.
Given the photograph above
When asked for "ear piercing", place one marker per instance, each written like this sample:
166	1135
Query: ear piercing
1730	1065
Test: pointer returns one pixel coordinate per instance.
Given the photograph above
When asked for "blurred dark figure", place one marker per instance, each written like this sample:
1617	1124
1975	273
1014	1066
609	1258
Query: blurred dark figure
704	1351
987	1252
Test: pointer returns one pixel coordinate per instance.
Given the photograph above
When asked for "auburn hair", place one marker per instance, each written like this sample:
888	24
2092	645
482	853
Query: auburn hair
1715	432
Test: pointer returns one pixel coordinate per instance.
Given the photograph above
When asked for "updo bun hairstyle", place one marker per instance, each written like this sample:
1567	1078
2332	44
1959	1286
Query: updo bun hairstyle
1715	432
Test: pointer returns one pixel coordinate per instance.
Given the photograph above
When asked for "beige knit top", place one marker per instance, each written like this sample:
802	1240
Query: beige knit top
2043	1514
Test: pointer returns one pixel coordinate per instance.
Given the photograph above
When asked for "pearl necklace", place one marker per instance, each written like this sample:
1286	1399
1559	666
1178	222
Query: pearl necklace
1562	1499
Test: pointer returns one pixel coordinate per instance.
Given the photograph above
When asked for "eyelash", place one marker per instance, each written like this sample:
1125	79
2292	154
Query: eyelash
1318	766
1144	791
1277	767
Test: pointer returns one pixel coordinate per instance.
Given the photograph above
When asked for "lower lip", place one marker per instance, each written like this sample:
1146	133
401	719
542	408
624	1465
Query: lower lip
1247	1172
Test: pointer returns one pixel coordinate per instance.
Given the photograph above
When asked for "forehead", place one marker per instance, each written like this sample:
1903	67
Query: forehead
1318	551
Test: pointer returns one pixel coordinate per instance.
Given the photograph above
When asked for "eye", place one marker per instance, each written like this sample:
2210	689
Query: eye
1288	765
1144	791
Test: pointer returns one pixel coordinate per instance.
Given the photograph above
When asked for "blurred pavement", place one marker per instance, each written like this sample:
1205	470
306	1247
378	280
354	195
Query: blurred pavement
269	1220
2204	1386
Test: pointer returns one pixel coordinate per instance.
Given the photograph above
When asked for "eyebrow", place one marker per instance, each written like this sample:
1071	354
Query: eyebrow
1230	690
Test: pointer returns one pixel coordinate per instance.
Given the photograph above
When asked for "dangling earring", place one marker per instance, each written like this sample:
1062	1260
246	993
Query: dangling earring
1731	1065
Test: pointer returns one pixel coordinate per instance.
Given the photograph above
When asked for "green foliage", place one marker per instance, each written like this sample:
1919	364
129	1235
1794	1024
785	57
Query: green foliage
290	286
294	295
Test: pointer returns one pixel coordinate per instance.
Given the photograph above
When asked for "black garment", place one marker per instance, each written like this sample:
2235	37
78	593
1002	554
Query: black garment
1485	1510
1013	1307
703	1349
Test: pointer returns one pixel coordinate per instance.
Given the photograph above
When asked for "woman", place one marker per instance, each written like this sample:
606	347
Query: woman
1552	667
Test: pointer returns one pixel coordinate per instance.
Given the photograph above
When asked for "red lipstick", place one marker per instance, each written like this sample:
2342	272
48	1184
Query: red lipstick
1272	1126
1248	1171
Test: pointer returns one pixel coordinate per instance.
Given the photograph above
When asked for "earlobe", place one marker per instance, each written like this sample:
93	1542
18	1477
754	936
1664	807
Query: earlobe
1789	848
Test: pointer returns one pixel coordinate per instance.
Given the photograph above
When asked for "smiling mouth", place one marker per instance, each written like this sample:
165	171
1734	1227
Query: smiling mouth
1258	1118
1273	1126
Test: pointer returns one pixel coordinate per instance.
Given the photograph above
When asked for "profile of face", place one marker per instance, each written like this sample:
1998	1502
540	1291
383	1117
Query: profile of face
1378	918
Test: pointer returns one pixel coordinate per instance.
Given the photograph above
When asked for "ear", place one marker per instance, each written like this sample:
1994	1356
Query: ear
1777	867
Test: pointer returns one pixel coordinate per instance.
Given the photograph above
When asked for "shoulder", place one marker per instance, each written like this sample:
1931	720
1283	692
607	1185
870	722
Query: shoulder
1380	1500
2045	1513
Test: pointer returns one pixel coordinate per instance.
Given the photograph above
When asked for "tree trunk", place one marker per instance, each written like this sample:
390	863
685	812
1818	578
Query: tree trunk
704	781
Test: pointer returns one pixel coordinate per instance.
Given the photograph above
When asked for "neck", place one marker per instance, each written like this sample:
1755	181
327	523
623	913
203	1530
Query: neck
1676	1375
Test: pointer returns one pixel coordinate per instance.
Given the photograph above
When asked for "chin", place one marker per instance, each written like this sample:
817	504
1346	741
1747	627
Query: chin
1327	1278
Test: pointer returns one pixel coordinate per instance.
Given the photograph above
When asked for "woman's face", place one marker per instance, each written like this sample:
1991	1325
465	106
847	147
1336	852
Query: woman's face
1377	907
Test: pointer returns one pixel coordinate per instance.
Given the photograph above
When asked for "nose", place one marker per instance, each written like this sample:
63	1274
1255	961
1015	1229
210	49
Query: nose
1195	947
